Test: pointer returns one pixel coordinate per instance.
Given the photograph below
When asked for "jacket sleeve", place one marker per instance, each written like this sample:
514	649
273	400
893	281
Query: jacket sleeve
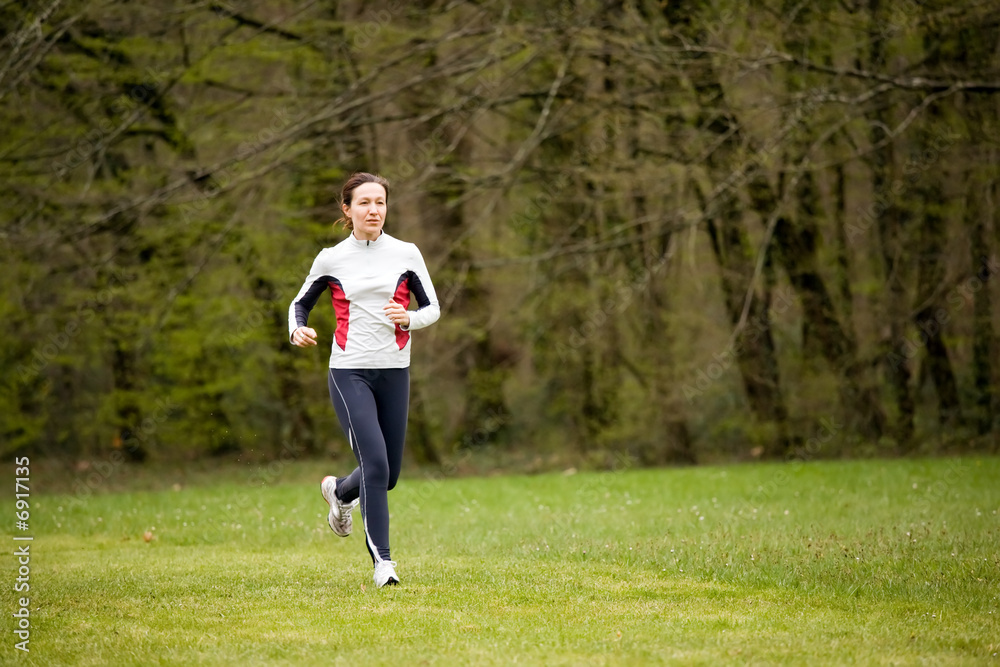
428	310
315	284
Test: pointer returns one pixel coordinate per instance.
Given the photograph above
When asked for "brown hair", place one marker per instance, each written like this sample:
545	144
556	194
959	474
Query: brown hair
347	193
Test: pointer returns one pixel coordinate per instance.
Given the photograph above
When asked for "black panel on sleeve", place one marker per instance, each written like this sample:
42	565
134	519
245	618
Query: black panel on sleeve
305	305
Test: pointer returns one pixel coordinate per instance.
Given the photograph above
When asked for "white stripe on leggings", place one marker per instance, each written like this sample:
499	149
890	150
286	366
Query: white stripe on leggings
352	439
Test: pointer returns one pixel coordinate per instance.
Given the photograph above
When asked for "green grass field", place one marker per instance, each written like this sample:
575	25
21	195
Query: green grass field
874	562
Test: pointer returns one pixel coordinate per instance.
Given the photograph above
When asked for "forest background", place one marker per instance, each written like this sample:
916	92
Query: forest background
661	232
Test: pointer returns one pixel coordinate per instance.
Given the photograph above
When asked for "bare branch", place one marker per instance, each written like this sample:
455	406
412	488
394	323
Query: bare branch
902	82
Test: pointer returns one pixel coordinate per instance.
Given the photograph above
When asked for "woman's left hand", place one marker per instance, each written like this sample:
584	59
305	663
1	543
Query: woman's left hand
397	314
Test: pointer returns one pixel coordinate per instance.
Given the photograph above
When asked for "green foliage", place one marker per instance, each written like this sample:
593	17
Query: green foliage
170	170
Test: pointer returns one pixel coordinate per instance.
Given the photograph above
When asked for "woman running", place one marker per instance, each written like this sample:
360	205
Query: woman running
371	277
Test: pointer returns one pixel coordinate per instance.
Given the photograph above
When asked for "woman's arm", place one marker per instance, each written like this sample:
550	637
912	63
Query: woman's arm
298	312
428	311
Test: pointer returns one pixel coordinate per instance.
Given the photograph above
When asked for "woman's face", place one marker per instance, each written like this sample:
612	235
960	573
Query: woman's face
367	211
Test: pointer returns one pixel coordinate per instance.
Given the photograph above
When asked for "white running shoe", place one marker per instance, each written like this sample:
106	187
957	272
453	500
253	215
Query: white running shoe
339	517
385	573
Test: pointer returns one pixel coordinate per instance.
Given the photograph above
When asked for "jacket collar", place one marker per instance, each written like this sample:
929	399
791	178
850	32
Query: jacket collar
355	241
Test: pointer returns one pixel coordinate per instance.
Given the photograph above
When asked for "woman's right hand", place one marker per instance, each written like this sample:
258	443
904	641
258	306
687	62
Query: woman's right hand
304	337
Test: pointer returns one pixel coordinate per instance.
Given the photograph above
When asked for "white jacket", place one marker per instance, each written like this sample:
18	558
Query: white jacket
362	276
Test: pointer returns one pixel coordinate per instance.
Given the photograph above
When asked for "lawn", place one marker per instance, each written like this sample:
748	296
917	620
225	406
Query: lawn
871	562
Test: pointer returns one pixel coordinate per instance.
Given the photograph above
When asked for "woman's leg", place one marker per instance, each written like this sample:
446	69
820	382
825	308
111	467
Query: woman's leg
392	396
353	397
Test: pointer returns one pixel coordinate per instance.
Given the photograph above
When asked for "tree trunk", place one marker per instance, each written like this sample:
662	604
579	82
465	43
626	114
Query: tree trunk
482	367
890	232
984	340
754	350
843	265
931	316
756	356
795	249
129	416
677	444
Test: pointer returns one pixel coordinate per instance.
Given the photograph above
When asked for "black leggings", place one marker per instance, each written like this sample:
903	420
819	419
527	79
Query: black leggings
372	405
